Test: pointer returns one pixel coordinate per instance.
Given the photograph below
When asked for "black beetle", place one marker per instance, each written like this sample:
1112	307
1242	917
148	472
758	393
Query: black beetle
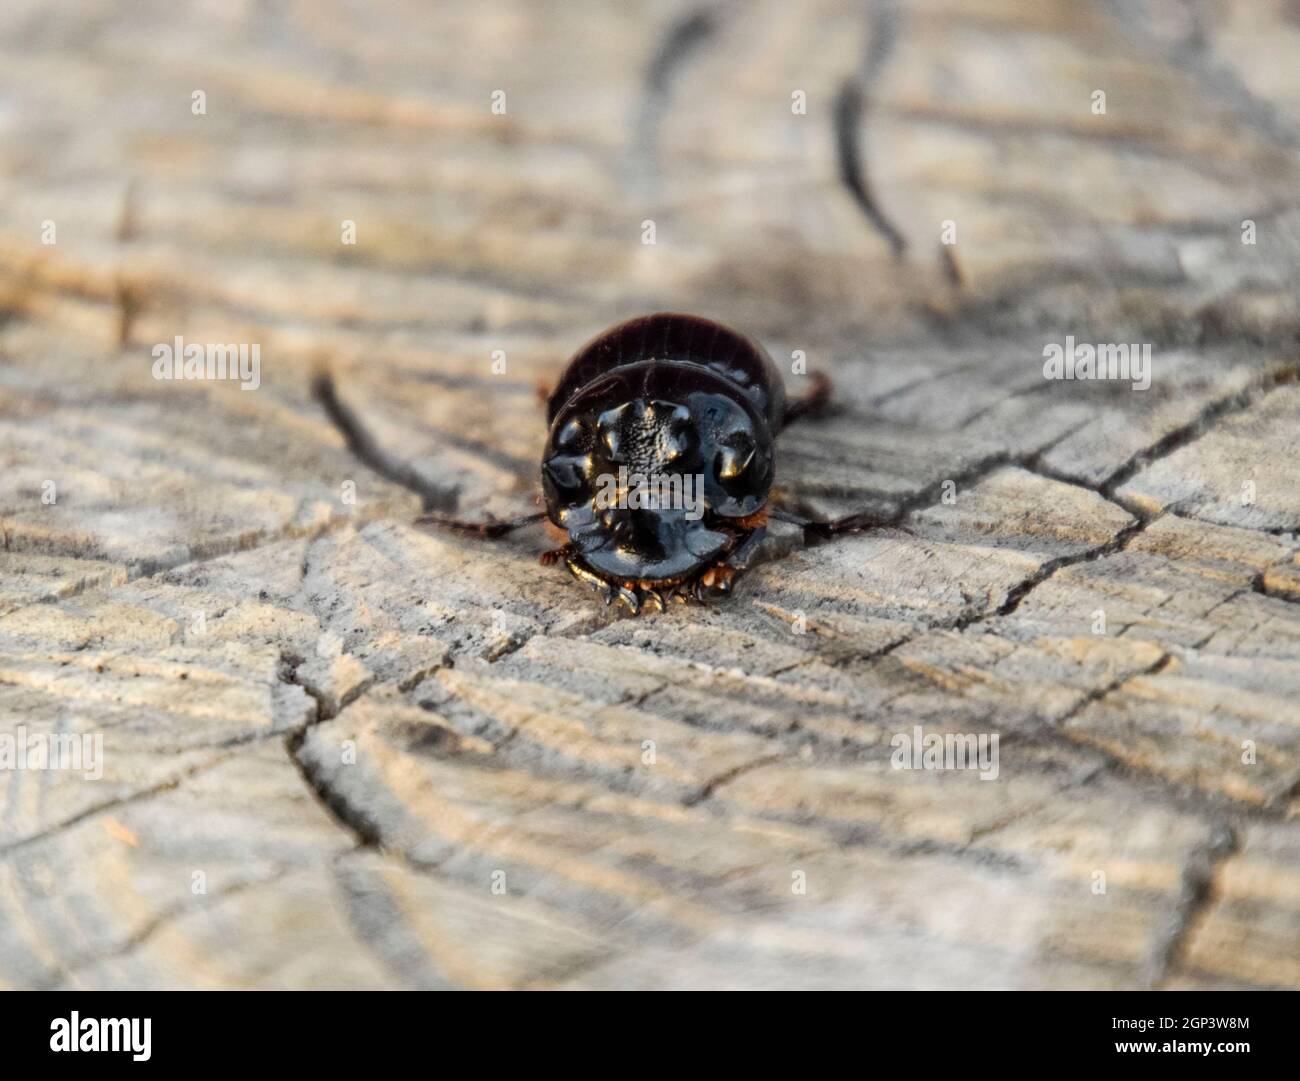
659	461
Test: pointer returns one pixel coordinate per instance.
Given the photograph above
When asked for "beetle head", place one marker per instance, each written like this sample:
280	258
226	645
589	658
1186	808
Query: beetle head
651	468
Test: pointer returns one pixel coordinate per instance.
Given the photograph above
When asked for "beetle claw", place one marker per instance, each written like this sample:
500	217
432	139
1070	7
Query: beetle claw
631	598
597	583
724	575
553	556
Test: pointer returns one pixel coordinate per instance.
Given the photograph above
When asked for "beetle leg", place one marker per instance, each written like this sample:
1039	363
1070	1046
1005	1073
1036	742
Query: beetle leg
812	402
740	559
717	577
630	597
657	597
808	525
585	576
814	530
721	576
553	555
783	500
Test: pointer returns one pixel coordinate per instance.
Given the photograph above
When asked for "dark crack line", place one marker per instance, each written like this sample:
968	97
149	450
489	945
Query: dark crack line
931	377
169	915
1196	427
883	18
850	104
1195	895
829	653
433	496
826	532
682	40
1019	592
356	822
707	789
380	925
114	804
217	549
1096	695
849	115
1167	445
129	305
1285	793
1194	53
127	223
951	268
683	37
352	818
1042	386
1196	890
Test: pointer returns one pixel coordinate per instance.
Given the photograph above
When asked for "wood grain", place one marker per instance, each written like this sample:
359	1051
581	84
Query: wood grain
343	751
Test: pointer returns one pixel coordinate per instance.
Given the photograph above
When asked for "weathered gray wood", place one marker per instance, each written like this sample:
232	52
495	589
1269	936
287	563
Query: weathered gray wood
392	758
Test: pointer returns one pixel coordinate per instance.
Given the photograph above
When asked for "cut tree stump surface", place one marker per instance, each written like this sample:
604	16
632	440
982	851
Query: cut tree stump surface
340	750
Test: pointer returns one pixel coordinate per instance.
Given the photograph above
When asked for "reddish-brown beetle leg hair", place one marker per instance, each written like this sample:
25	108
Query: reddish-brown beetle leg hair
553	555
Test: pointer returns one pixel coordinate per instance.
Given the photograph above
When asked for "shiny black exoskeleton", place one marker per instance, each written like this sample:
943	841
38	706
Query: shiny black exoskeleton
658	467
660	456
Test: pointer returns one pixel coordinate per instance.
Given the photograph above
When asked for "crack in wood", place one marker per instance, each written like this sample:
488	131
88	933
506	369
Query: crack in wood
120	801
1194	52
547	251
707	790
1198	426
1020	591
140	938
850	105
355	820
1196	893
683	39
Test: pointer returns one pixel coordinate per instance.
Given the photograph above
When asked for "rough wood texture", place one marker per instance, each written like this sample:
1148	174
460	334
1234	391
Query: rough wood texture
400	759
